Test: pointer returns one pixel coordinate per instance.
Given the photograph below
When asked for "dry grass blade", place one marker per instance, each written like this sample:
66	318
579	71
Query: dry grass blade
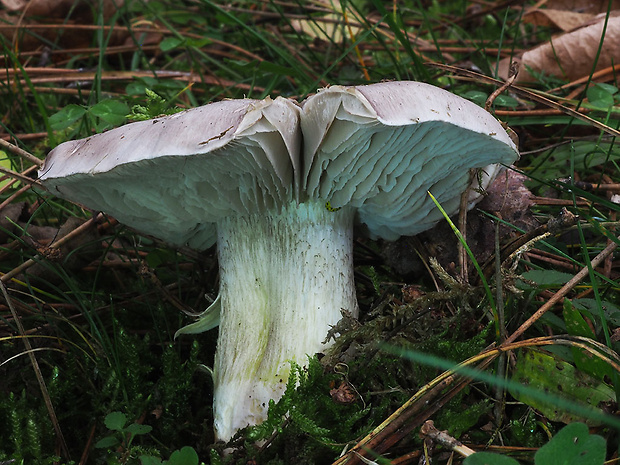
87	76
117	28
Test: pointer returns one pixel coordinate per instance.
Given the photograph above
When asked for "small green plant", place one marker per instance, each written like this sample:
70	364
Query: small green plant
186	456
124	451
122	437
102	115
573	445
155	106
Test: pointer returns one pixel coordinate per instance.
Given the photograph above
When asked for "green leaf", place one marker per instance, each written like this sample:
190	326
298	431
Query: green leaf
66	117
150	460
584	155
506	101
561	382
576	325
610	311
158	256
198	43
489	458
547	278
608	87
170	43
186	456
600	96
476	96
110	111
107	442
268	67
135	88
136	429
206	321
115	421
572	445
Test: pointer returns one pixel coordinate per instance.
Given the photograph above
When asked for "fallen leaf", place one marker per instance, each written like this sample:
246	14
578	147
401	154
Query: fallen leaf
561	385
559	19
570	56
583	6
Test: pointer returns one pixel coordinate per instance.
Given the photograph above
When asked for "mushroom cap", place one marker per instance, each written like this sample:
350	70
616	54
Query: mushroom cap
174	177
378	148
381	148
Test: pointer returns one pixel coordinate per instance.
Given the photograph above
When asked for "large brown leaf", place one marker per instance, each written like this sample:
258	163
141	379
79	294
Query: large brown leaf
559	19
567	15
582	6
571	55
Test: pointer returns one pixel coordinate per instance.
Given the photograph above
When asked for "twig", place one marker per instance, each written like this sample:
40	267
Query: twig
514	71
28	263
22	153
89	443
412	413
19	176
611	70
14	195
434	395
563	291
428	429
10	183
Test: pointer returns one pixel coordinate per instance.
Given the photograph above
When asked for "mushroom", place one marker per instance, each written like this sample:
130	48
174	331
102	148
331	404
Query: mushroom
281	209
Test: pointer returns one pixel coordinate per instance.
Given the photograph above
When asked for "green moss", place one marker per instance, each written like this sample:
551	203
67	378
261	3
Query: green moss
458	417
310	426
27	432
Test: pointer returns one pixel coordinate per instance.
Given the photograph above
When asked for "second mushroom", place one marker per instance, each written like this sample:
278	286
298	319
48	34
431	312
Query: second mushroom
279	186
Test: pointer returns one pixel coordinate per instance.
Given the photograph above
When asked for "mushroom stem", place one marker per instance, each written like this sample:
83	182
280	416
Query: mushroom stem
284	279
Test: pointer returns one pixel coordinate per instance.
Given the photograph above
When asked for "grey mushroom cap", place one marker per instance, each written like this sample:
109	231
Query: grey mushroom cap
378	148
174	177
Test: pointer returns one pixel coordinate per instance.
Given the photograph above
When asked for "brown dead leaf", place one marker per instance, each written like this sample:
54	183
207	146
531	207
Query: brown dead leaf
12	5
571	55
582	6
559	19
